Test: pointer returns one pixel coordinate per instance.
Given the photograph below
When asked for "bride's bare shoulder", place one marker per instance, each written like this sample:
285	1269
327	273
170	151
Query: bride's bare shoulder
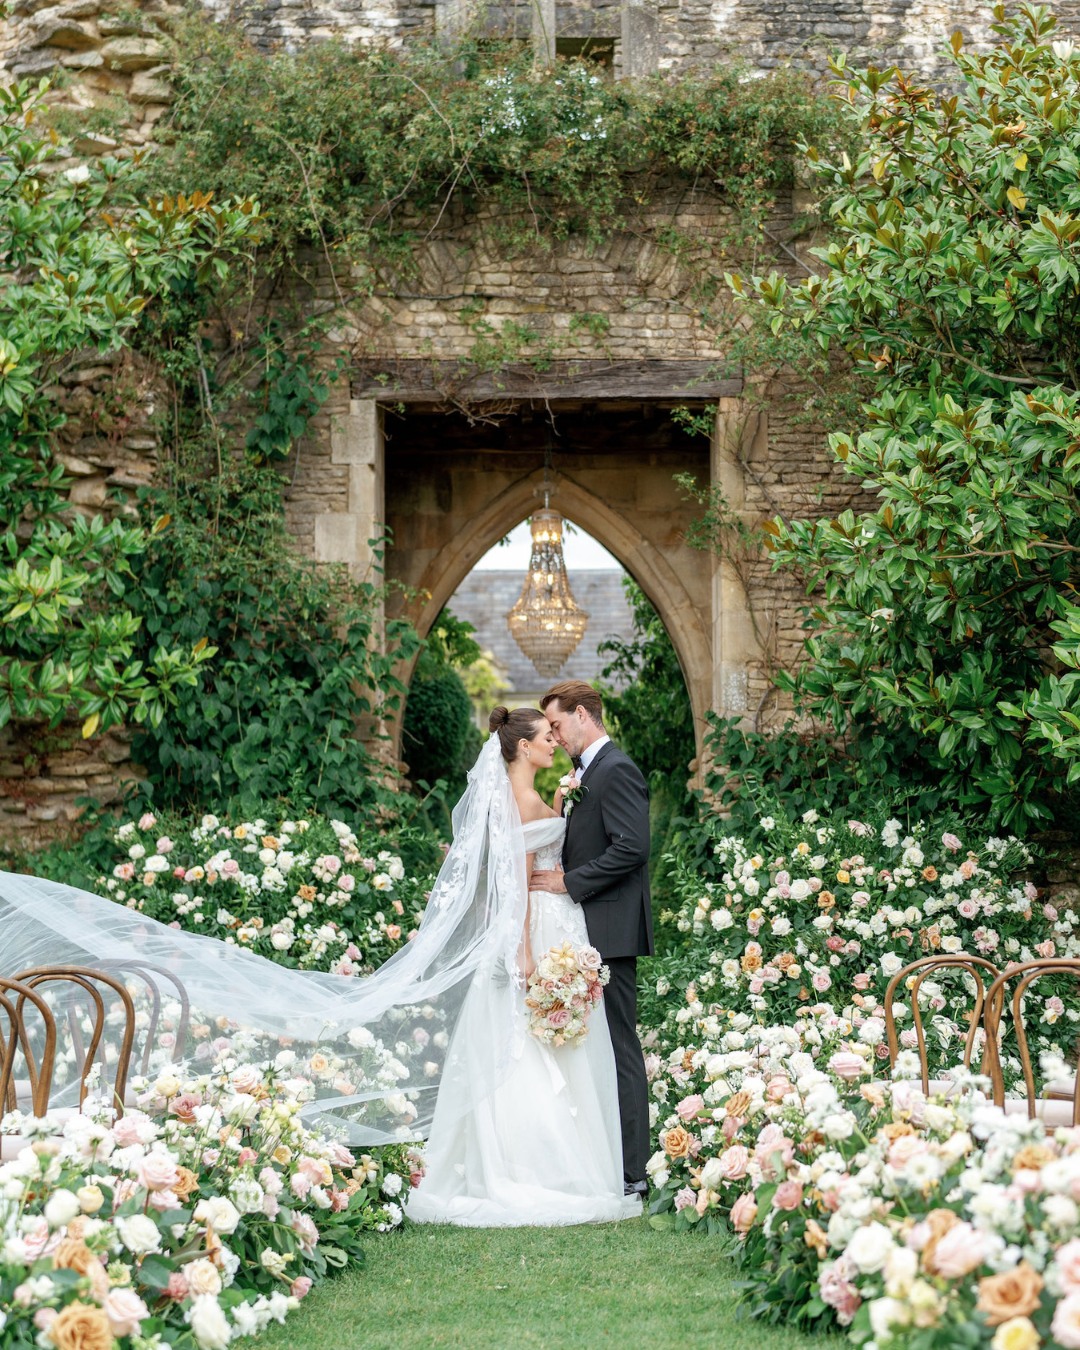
531	806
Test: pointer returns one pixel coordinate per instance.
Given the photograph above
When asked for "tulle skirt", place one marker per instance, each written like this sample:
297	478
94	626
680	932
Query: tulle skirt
542	1147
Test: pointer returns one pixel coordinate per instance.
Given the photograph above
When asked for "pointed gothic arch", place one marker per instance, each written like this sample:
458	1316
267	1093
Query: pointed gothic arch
642	559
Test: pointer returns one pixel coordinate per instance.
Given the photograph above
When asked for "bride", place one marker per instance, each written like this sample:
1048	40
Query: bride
518	1132
544	1145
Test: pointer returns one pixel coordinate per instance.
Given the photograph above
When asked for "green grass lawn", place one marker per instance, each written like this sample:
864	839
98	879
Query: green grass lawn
487	1288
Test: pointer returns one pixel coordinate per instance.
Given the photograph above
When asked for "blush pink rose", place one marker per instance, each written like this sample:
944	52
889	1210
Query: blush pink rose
301	1286
1067	1261
959	1252
847	1065
734	1162
905	1148
951	842
690	1107
125	1311
685	1199
157	1172
788	1195
558	1017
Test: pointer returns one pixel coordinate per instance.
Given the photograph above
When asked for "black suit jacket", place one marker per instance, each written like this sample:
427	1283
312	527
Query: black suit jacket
606	855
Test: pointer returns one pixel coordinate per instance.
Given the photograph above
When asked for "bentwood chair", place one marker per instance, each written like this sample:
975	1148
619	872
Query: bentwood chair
87	1019
146	984
976	968
1056	1108
35	1045
30	1028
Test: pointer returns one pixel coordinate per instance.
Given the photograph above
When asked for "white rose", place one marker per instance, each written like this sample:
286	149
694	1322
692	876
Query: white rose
274	1262
360	1038
382	882
157	863
799	889
139	1234
870	1246
136	851
886	1313
781	926
60	1208
208	1323
839	1125
218	1213
203	1277
891	963
901	1267
391	1185
712	1175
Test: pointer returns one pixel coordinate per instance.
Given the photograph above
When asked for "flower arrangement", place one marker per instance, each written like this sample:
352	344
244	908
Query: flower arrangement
207	1211
572	790
858	1202
829	911
563	989
306	893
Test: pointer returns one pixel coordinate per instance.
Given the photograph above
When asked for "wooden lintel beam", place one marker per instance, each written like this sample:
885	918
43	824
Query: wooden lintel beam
447	382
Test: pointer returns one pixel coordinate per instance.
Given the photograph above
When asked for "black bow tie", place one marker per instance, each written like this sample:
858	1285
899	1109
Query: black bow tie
576	762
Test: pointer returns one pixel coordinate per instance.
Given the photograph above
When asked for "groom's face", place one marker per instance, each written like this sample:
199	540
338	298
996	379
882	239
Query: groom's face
568	727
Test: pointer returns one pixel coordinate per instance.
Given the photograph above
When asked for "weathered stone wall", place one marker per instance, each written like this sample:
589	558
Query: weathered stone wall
107	60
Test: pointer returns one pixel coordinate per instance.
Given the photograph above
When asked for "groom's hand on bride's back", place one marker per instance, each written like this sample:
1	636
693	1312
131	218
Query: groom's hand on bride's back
550	881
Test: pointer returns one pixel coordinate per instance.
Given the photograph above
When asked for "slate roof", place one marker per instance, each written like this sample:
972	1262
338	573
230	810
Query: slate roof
486	597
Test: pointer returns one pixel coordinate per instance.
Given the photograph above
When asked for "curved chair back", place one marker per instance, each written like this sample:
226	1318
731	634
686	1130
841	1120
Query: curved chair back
152	977
92	1002
38	1053
1025	974
977	967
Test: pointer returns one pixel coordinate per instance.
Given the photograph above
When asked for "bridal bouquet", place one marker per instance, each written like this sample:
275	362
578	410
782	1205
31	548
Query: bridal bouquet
563	989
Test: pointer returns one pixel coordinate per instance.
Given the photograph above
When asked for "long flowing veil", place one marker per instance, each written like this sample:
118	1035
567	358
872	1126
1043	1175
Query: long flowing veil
374	1049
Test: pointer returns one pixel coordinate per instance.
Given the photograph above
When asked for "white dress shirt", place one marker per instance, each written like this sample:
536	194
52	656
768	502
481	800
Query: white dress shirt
591	751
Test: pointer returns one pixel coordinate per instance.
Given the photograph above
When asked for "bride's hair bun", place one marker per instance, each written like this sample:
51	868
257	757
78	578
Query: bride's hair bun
514	727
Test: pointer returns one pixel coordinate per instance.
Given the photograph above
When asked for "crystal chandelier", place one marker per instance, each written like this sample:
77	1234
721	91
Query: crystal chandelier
547	623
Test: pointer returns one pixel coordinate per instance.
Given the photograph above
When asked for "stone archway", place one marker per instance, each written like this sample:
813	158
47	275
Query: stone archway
452	489
446	487
644	561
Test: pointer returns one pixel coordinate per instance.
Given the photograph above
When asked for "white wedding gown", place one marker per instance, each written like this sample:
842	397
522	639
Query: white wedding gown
543	1146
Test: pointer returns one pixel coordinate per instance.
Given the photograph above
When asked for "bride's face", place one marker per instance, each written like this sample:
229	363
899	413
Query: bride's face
542	746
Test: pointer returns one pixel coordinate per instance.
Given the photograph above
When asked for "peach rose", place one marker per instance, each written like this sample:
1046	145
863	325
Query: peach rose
1013	1293
676	1142
743	1213
80	1326
738	1104
186	1184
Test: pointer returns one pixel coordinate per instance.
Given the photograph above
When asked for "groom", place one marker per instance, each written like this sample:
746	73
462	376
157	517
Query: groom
605	862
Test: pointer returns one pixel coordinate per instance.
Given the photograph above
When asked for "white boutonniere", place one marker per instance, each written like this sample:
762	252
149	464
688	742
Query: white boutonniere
572	791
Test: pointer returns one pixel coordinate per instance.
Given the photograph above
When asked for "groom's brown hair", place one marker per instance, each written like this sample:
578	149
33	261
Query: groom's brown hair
571	694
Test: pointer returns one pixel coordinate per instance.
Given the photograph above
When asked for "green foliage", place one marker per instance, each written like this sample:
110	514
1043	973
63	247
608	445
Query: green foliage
82	258
953	284
279	715
440	740
866	772
290	392
365	152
